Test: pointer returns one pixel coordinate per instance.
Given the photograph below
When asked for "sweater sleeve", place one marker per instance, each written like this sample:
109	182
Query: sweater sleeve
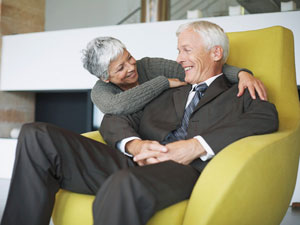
232	72
110	99
150	68
153	67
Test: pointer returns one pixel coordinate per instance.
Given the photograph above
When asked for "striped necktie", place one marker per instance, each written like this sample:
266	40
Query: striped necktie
181	132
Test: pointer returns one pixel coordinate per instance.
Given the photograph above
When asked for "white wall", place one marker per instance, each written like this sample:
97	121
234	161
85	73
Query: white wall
51	60
7	157
69	14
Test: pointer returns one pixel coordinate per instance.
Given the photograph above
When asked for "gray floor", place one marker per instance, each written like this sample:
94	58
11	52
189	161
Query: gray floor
292	216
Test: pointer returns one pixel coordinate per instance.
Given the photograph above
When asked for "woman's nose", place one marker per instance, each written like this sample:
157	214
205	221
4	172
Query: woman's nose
130	66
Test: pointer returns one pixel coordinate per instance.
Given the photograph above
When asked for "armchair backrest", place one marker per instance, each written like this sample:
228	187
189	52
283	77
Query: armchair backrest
269	53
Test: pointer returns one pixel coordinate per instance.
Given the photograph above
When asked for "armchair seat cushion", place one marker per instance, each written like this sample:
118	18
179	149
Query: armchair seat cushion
77	210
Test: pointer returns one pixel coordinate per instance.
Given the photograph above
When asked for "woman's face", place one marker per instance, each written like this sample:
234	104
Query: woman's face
122	71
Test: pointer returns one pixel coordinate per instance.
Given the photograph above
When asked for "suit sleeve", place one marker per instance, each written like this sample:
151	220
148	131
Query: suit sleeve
259	117
116	128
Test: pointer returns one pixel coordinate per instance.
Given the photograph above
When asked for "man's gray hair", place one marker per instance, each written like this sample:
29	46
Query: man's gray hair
99	53
212	34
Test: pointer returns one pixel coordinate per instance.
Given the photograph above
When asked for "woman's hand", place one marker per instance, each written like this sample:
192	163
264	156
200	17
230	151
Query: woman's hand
174	82
253	84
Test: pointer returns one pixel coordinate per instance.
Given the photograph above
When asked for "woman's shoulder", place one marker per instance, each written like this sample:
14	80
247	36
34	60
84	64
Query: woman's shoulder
102	87
154	60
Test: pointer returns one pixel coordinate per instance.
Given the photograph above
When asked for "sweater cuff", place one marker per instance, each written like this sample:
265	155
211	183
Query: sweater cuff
246	70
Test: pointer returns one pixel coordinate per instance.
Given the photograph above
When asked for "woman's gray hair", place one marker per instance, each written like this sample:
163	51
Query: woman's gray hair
212	34
99	53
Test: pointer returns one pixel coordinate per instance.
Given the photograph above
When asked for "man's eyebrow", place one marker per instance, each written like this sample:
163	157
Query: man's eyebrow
184	46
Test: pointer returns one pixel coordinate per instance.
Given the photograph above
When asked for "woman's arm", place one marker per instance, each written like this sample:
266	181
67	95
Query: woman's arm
150	68
232	73
110	99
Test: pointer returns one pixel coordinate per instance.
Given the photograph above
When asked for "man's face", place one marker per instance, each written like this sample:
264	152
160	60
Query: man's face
193	57
122	71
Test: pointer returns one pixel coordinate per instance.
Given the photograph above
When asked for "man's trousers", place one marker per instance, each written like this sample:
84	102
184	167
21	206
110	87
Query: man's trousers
49	158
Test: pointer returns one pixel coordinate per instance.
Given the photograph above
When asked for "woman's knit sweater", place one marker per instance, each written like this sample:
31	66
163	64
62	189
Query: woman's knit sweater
153	80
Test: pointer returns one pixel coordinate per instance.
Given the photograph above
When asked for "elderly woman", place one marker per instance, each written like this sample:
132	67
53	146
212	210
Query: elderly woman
126	85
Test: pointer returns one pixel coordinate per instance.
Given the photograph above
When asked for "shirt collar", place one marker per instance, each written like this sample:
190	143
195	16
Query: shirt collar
208	81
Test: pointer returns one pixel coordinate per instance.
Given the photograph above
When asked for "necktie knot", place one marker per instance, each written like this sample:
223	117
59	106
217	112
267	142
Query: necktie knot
201	87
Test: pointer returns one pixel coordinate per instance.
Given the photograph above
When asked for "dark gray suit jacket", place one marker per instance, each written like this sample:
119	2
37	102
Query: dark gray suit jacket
220	117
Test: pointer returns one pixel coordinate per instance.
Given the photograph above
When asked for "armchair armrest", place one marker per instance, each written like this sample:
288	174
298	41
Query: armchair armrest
238	184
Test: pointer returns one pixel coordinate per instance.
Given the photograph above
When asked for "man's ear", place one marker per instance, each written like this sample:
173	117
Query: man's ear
217	53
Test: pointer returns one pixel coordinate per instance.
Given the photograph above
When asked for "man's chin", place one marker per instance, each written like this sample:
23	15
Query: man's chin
188	79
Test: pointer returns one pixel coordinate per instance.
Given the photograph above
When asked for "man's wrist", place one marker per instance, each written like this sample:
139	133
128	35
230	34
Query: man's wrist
209	153
198	148
131	146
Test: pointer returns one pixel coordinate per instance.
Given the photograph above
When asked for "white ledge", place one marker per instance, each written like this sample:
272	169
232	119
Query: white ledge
52	60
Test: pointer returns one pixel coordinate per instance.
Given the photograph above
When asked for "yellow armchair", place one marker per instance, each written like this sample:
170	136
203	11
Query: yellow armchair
252	180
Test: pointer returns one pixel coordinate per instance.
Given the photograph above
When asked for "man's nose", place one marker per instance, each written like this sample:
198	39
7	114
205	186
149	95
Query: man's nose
179	58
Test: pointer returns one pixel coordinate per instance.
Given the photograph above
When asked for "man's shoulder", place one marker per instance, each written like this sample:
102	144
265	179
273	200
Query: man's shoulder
222	82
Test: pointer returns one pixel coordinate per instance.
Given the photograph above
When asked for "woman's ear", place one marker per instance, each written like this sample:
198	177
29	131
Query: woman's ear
106	81
217	53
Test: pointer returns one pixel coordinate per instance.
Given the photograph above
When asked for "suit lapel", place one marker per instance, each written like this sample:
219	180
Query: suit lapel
180	96
218	86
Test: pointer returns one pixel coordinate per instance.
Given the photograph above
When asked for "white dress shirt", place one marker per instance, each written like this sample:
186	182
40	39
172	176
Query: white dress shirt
209	152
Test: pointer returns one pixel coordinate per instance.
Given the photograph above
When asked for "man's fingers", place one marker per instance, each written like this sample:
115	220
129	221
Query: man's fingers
145	155
152	161
155	146
141	163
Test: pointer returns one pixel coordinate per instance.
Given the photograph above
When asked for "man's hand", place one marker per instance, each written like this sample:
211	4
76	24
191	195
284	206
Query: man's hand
184	152
147	149
174	82
253	84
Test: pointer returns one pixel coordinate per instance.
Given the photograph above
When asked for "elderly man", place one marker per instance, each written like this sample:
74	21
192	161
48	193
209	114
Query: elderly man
165	146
